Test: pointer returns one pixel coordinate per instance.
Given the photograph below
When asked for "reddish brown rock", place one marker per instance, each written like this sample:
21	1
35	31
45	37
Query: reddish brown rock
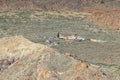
78	78
81	65
104	17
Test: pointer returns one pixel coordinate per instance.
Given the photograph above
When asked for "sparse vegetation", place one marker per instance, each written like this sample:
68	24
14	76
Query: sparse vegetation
35	24
99	46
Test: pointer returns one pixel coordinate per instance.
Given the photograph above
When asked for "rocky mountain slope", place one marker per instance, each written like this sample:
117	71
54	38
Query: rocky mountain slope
21	59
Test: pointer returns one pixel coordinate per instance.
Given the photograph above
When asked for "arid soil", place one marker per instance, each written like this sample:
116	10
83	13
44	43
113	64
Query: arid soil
105	13
54	4
41	55
38	62
104	18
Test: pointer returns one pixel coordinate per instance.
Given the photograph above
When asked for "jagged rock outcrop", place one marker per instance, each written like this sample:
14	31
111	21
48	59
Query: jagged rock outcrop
34	61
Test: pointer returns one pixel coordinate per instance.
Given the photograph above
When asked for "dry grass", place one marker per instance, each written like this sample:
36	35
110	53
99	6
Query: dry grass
17	47
44	63
39	15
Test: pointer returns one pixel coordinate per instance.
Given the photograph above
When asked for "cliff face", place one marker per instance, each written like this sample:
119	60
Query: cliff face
22	59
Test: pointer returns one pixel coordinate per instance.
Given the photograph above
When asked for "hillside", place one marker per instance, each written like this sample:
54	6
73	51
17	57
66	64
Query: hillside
105	13
104	18
53	4
38	62
60	40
